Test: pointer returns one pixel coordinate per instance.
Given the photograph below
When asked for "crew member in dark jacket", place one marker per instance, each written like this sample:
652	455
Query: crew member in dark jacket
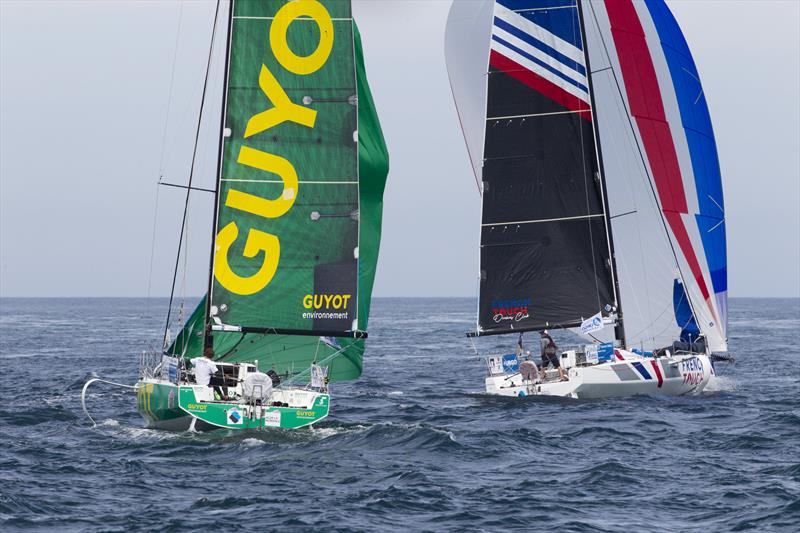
549	356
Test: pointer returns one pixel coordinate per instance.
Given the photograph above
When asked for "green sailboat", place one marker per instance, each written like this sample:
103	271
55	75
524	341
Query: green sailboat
301	174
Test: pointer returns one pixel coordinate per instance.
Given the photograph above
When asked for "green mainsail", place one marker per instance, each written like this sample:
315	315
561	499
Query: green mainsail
336	203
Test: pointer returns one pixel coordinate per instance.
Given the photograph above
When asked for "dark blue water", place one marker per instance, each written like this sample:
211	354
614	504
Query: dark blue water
409	446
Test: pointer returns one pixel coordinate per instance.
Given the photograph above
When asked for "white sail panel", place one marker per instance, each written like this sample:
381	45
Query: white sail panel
467	37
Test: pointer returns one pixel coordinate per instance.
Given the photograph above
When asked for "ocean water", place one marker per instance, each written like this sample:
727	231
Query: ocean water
411	446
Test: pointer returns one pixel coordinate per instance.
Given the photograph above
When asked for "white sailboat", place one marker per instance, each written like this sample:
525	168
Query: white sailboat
590	139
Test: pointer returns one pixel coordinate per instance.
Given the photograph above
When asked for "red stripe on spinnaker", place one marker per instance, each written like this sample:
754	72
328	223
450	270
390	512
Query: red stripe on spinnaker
658	373
647	107
619	355
540	84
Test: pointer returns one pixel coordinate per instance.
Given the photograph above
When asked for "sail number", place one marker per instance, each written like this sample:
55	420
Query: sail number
282	110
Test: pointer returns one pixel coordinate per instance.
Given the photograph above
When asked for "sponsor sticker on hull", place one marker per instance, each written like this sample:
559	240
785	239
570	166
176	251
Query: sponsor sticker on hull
272	419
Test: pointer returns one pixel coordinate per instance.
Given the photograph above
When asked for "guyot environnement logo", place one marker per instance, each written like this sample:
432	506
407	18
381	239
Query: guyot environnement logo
327	306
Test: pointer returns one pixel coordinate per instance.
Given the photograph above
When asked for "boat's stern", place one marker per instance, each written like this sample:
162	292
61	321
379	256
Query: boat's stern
287	409
157	402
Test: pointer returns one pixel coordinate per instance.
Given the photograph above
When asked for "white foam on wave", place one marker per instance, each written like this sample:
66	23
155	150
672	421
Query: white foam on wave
720	384
252	442
324	433
395	393
109	422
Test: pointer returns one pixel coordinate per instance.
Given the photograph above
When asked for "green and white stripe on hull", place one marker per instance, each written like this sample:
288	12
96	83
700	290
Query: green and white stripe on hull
165	405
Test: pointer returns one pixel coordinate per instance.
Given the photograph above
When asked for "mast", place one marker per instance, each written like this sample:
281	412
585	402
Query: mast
619	327
207	338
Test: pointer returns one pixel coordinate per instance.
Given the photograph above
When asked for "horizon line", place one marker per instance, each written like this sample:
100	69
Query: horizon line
42	297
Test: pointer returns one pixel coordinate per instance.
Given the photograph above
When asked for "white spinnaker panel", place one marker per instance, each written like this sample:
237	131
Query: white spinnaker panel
646	265
466	47
646	282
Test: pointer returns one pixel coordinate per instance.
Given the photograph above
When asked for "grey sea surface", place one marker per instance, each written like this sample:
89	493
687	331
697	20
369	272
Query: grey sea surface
412	445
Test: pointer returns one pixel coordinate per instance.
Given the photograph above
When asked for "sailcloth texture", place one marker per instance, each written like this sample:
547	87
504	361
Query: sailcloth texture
662	171
319	215
591	141
545	256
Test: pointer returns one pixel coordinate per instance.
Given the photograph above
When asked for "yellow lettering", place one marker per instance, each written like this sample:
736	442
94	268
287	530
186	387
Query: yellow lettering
261	206
346	298
280	47
307	300
283	109
257	241
337	301
317	301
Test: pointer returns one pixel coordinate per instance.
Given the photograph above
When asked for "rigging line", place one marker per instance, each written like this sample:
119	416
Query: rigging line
583	158
335	354
715	226
165	184
152	254
208	341
191	169
531	9
639	147
182	308
171	86
622	214
717	204
539	114
232	349
520	222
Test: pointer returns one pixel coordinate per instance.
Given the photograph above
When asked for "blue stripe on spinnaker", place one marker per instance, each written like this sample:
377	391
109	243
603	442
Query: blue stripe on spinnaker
642	370
699	132
683	313
536	43
559	17
540	63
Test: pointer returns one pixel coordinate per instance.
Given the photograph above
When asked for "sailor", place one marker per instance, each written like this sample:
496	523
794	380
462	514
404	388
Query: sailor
204	368
549	356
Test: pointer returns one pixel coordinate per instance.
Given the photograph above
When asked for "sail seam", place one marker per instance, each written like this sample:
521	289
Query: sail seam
243	17
530	9
299	181
538	114
581	217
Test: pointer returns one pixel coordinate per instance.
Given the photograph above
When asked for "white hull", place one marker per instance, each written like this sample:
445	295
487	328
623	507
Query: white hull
627	375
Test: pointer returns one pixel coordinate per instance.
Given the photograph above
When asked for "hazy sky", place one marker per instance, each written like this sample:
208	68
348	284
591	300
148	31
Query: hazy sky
84	90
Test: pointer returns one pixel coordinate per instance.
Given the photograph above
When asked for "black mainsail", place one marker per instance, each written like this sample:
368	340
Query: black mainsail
545	257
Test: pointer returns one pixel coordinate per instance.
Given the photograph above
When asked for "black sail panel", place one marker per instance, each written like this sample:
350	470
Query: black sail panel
545	258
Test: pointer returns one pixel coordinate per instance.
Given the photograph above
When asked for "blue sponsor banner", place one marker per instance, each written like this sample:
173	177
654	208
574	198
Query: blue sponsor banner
605	352
637	351
510	363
